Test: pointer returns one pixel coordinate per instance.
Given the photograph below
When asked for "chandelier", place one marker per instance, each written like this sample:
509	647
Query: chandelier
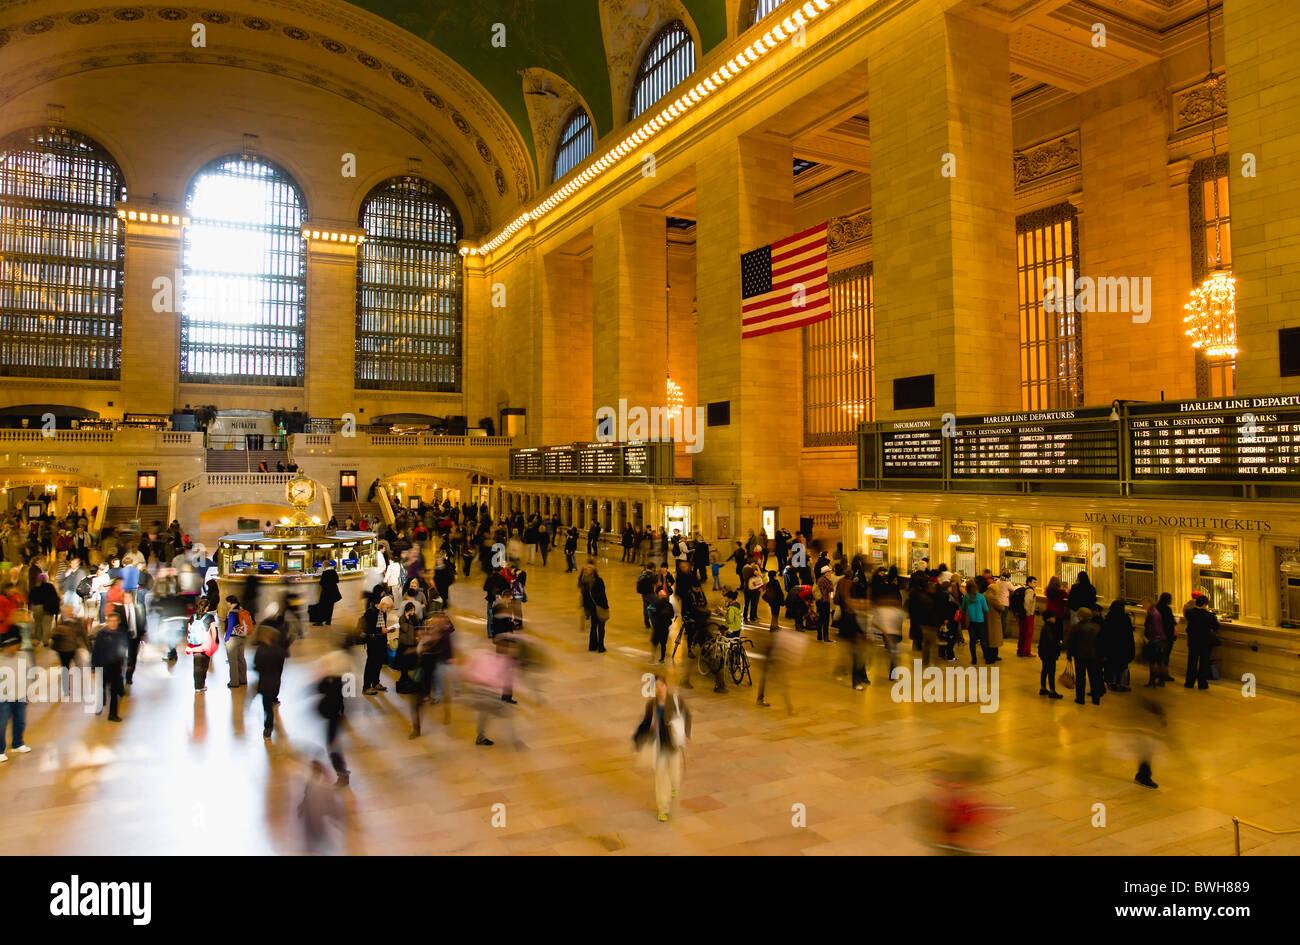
675	399
1211	317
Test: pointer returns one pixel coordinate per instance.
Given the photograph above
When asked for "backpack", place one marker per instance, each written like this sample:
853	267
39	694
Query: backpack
84	587
1018	602
645	584
196	634
244	624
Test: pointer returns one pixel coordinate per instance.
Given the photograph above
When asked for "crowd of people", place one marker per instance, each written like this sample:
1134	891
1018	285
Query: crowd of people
94	602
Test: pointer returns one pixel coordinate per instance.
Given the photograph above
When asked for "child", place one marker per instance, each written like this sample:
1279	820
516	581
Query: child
716	566
733	613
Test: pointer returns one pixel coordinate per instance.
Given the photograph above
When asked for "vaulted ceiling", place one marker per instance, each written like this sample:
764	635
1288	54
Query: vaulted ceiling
563	36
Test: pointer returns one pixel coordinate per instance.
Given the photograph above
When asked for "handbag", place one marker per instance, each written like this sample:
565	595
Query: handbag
602	614
1066	678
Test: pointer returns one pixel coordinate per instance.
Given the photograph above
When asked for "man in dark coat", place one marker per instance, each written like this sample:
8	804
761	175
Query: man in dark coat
1202	632
269	663
329	596
108	654
1082	643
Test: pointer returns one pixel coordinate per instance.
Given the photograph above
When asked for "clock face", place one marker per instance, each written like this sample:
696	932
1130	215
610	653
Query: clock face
301	491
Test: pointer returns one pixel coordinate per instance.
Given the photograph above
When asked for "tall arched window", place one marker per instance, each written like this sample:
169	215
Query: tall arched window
669	60
243	308
409	289
575	144
61	253
761	8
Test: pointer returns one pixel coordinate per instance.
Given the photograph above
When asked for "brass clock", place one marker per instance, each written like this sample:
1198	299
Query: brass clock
300	491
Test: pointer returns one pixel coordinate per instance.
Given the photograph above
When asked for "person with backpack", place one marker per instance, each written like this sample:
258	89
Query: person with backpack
1023	605
976	608
645	586
202	645
238	626
822	591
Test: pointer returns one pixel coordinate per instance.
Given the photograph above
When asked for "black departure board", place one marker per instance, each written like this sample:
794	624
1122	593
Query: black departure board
1055	445
1229	440
911	450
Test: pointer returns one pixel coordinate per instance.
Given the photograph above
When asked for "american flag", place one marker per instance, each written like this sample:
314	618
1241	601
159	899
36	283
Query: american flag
768	277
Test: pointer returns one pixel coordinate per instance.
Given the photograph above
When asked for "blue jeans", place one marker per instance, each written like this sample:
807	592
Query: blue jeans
19	712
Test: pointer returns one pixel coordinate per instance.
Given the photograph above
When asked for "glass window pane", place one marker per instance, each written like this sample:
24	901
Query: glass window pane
243	309
409	325
61	257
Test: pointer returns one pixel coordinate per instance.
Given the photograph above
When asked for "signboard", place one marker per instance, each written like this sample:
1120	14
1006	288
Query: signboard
1230	440
911	449
1064	444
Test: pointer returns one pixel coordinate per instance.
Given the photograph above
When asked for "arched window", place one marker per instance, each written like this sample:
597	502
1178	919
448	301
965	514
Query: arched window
761	8
409	289
576	142
669	60
61	252
243	307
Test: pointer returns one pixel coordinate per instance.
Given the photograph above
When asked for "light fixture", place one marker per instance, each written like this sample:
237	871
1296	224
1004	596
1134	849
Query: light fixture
1201	559
667	115
953	538
1211	317
1060	545
1004	542
909	533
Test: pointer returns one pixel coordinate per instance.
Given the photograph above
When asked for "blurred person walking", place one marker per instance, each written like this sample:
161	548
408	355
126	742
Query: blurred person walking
665	729
108	654
269	663
14	667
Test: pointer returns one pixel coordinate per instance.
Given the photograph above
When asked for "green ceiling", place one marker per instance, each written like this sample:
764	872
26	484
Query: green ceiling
560	35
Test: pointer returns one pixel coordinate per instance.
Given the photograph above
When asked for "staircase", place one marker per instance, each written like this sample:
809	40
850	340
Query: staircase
232	461
116	516
368	510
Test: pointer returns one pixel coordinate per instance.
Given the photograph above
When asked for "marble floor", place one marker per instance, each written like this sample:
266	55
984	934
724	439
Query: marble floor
848	773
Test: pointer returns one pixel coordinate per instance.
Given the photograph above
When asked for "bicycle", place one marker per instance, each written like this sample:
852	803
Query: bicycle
722	650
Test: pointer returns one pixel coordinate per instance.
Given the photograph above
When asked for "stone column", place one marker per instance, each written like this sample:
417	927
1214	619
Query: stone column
330	377
1263	88
746	201
941	163
151	309
629	273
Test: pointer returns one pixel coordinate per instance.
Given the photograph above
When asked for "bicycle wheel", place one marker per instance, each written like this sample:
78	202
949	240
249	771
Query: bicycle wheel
736	664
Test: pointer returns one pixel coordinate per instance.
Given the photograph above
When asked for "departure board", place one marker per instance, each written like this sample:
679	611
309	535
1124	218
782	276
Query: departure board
911	450
1061	445
1227	440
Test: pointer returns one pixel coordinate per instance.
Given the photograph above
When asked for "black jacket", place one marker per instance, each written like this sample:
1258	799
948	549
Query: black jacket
269	663
109	648
1117	638
1083	640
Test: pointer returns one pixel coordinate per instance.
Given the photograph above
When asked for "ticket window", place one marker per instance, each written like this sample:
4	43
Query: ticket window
1214	574
1070	550
1137	570
916	552
963	560
1068	568
877	545
1015	564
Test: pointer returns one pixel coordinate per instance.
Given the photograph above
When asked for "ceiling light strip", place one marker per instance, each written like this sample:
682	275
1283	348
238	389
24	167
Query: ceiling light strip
688	100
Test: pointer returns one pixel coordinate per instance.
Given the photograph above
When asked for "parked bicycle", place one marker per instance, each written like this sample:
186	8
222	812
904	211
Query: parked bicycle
723	650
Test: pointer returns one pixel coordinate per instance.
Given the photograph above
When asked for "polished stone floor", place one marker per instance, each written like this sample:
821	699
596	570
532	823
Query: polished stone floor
856	771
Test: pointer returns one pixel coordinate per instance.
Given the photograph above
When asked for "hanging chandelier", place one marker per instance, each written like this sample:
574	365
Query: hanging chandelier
675	399
1211	317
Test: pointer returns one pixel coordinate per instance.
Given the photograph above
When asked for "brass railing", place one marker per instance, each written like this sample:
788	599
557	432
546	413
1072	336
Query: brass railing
1237	824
